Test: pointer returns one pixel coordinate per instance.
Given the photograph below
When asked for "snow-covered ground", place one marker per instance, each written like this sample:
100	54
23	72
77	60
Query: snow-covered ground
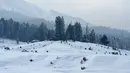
62	57
8	43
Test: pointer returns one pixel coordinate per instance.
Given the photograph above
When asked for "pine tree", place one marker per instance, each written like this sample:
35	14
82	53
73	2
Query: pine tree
42	32
51	34
60	30
2	21
70	32
16	30
17	41
86	36
104	40
87	30
4	32
78	31
92	36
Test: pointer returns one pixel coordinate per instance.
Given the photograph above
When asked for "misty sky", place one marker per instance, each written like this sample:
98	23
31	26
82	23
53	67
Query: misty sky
113	13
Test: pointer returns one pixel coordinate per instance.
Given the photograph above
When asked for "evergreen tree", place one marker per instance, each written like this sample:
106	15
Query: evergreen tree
2	22
77	31
42	32
92	36
17	41
86	36
104	40
87	31
16	30
26	32
51	34
70	32
60	30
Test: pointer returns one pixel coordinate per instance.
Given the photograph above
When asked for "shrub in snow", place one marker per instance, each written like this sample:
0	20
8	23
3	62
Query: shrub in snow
27	42
35	51
20	47
114	48
108	47
24	50
115	53
7	48
81	62
105	52
32	51
83	68
85	48
57	57
80	46
51	62
84	59
31	60
90	48
34	41
119	52
44	45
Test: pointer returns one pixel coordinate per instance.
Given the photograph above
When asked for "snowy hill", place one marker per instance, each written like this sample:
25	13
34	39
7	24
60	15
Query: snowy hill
63	57
9	43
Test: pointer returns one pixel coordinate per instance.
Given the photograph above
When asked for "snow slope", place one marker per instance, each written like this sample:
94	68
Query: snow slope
8	43
63	57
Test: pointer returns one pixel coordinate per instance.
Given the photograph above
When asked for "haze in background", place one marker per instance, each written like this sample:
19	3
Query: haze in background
112	13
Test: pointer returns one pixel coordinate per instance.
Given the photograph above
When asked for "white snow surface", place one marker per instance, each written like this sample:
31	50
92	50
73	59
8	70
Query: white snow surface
62	57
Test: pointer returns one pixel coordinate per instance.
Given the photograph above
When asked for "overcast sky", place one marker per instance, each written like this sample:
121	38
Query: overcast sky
113	13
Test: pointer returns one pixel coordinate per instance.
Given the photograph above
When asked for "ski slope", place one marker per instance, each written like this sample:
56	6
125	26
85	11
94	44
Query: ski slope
62	57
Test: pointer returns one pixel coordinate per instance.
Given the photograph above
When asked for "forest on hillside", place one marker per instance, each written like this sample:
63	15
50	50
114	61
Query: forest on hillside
28	32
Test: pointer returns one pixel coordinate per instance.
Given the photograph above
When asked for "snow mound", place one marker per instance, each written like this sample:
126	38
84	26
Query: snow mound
63	57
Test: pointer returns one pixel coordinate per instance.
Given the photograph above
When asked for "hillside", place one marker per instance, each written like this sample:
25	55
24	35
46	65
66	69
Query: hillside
22	7
14	15
63	57
23	10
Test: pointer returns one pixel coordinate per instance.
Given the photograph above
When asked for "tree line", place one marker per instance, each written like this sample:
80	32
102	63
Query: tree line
24	32
28	32
74	32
